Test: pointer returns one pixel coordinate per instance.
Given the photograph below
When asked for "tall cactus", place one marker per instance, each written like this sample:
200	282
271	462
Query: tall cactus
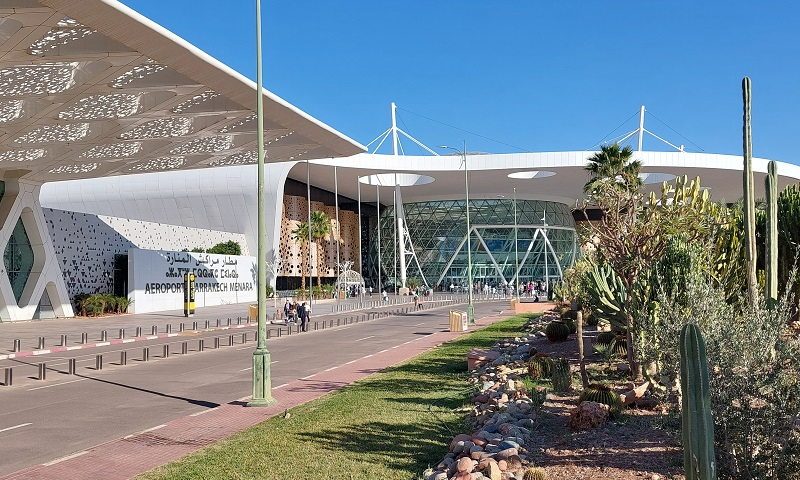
696	420
749	195
771	256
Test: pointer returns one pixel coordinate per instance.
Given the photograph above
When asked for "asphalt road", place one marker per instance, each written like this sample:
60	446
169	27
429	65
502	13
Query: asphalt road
45	420
28	332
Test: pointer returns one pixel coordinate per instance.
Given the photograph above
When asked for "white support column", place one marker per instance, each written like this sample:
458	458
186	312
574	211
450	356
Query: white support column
21	201
641	127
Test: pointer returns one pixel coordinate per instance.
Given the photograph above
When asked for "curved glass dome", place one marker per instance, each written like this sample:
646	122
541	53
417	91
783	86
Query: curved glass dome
545	241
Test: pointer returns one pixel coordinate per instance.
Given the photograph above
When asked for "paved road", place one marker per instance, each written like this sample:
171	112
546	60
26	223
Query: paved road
48	420
29	331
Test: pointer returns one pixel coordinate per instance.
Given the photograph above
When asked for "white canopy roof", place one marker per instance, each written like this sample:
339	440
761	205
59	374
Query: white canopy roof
90	88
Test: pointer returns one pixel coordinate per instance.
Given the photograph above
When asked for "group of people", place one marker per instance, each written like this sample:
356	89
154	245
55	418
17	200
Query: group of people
297	313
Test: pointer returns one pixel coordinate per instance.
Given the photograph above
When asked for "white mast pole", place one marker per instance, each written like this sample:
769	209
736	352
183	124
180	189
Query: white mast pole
641	127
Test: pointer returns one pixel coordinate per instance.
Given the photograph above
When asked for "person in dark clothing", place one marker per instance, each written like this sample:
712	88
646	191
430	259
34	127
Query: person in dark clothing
305	315
301	313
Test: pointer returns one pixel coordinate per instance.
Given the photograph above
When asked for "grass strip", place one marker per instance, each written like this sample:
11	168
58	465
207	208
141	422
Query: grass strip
391	425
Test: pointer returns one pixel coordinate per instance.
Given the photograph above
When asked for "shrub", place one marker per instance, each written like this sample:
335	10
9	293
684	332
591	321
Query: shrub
226	248
753	360
101	303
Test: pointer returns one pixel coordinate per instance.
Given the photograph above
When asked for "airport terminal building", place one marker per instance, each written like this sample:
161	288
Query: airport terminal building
118	138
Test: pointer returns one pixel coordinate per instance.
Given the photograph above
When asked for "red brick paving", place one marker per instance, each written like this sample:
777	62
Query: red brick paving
127	457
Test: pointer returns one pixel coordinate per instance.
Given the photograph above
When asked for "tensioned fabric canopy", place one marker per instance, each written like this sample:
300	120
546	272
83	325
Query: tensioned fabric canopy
90	88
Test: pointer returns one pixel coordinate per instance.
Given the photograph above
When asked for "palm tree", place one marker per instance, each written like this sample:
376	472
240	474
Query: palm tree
320	228
300	234
613	166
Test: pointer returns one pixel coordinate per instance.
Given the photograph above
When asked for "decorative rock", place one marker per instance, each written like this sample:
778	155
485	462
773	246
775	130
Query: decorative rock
588	415
493	471
505	453
465	464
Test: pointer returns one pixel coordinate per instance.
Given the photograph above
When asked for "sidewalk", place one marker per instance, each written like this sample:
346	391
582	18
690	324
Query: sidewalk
127	457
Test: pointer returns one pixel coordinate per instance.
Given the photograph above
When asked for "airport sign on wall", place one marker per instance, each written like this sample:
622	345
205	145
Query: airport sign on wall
155	279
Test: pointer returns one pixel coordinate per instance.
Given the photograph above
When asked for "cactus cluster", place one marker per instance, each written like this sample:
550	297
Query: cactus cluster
607	295
561	375
620	347
748	194
605	338
540	366
697	424
557	331
573	327
602	394
771	244
534	473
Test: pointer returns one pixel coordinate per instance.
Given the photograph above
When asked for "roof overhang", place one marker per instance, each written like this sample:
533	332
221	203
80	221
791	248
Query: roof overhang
90	88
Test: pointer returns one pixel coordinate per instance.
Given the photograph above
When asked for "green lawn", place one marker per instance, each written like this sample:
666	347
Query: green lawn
391	425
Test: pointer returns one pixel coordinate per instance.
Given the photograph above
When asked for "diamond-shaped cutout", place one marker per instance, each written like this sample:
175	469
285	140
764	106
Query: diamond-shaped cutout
18	259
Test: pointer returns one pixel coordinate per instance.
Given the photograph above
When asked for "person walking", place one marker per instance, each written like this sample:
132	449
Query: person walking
286	307
385	296
304	315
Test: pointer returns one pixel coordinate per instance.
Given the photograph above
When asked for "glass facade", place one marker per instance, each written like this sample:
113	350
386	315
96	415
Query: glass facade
18	259
546	241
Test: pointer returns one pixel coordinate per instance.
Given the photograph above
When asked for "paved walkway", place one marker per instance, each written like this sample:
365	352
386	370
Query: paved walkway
134	454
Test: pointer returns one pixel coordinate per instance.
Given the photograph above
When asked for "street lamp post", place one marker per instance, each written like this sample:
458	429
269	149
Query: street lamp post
470	304
262	379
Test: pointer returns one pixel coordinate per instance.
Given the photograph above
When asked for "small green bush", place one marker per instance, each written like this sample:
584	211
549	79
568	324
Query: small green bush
226	248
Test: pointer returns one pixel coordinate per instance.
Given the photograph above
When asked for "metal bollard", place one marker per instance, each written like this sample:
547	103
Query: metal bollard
165	351
84	338
201	345
169	328
41	343
184	348
208	324
338	322
216	342
123	357
138	331
244	336
63	340
315	325
154	330
146	354
238	321
121	333
17	345
194	326
181	327
8	376
98	362
42	372
218	323
229	322
71	366
104	335
230	340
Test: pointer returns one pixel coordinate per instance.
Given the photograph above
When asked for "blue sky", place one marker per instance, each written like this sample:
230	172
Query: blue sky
534	75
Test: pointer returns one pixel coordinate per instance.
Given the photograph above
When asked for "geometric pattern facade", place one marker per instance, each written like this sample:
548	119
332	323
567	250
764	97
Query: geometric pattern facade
86	244
31	278
69	91
291	261
438	234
